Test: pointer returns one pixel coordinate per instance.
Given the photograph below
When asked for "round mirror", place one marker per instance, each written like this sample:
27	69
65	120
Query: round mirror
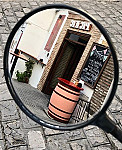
60	67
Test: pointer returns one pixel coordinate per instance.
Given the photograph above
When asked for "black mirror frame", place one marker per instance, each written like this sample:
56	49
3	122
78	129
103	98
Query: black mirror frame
16	97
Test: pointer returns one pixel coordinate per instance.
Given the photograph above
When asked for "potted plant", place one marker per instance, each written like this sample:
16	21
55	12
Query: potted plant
24	76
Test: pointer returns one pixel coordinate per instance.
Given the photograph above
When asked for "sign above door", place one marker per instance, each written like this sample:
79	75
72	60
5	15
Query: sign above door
82	25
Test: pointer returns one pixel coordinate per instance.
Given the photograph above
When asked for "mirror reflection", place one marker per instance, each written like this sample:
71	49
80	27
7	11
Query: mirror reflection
61	66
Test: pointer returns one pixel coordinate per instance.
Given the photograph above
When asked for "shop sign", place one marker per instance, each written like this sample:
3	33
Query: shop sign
82	25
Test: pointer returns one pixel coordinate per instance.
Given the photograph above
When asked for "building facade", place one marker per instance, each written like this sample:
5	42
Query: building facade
69	46
70	54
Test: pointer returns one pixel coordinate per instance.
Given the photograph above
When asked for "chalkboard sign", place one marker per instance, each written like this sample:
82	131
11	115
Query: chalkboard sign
95	64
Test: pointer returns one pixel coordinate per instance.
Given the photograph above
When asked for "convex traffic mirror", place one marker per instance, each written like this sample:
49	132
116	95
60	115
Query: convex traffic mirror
61	67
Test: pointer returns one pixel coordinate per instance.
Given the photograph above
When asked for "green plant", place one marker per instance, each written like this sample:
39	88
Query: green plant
24	76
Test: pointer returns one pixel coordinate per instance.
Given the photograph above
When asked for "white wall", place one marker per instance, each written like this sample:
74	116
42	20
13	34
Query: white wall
34	39
19	67
36	32
38	70
36	75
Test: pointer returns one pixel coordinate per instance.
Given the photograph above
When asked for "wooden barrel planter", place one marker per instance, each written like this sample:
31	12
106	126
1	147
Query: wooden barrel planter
63	100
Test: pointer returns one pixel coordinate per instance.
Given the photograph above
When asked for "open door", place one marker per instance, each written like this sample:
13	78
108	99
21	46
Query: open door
65	63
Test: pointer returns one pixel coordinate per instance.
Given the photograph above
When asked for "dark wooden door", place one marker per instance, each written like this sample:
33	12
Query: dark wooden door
76	55
64	65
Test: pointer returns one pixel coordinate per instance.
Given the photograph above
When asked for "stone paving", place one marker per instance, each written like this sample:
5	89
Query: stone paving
17	131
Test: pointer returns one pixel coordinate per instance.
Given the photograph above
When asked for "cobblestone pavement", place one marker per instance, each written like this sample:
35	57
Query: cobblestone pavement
18	132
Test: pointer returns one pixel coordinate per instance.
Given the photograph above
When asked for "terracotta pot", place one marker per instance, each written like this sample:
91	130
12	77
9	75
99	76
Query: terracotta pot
63	100
26	80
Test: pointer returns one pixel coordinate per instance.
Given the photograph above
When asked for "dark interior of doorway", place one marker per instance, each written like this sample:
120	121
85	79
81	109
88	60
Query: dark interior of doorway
66	60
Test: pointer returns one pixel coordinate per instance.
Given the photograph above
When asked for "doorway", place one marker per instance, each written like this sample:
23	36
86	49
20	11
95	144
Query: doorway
66	60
